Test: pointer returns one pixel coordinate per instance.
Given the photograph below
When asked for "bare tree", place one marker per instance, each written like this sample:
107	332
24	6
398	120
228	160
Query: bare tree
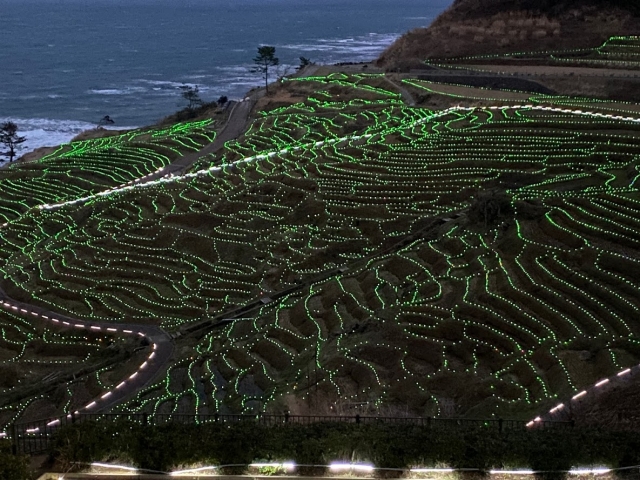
10	139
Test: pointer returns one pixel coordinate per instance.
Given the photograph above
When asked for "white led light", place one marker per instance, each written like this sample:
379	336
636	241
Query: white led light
190	471
556	408
284	465
589	471
115	467
360	467
579	395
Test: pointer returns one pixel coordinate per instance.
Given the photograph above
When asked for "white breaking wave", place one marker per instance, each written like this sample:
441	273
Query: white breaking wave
118	91
365	47
46	132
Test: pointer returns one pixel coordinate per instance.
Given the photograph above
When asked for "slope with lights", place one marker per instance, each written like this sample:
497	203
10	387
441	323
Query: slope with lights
453	262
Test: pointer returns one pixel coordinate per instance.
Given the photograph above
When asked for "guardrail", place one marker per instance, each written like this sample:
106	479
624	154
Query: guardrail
35	436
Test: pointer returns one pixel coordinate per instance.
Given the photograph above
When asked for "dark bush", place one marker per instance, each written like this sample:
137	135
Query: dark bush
489	208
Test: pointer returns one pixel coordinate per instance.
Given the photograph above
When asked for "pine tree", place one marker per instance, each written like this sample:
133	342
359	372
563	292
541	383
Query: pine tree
266	58
192	95
10	139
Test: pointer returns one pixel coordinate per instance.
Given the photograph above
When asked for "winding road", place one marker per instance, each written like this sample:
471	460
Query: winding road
236	125
161	348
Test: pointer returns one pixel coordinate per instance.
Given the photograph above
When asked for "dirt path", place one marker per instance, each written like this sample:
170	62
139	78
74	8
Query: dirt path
408	98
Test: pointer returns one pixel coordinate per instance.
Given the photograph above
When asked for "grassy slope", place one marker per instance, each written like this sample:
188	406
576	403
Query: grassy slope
474	27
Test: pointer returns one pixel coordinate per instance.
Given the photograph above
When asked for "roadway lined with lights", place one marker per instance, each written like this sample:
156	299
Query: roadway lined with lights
559	412
160	343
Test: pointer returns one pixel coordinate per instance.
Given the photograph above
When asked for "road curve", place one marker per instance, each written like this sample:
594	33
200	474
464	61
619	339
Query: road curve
161	348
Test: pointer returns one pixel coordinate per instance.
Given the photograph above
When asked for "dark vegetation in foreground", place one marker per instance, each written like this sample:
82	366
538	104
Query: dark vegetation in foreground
12	467
174	446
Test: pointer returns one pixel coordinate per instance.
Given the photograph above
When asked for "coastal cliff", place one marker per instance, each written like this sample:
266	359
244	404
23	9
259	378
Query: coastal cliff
474	27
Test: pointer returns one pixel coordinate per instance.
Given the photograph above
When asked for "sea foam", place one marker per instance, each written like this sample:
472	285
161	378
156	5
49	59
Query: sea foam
45	132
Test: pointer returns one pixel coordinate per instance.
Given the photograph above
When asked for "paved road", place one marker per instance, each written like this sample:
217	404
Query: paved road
161	347
235	126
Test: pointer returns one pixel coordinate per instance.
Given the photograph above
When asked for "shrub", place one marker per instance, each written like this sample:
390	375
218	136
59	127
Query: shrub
12	467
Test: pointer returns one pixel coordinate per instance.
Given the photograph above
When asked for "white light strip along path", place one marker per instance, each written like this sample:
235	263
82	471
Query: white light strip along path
90	327
134	184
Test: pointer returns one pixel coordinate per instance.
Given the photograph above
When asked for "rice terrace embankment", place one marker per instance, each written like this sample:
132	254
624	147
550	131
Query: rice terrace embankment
453	239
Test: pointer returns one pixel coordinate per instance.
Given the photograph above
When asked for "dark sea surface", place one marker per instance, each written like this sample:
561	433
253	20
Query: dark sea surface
64	64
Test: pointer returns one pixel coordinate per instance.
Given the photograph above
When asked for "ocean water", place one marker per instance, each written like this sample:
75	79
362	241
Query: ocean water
64	64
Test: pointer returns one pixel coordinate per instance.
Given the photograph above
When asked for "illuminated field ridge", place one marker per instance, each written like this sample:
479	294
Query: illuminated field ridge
469	261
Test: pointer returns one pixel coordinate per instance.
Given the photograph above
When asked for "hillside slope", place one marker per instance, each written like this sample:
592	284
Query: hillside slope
348	253
473	27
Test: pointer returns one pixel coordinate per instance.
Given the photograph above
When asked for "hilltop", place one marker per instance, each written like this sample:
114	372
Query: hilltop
484	27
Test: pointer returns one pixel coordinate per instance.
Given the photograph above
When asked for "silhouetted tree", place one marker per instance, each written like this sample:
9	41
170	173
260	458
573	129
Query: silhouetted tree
191	95
304	62
10	139
266	58
222	100
106	120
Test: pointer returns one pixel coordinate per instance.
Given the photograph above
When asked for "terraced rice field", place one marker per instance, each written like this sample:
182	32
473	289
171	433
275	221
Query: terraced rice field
619	52
39	366
473	261
82	168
